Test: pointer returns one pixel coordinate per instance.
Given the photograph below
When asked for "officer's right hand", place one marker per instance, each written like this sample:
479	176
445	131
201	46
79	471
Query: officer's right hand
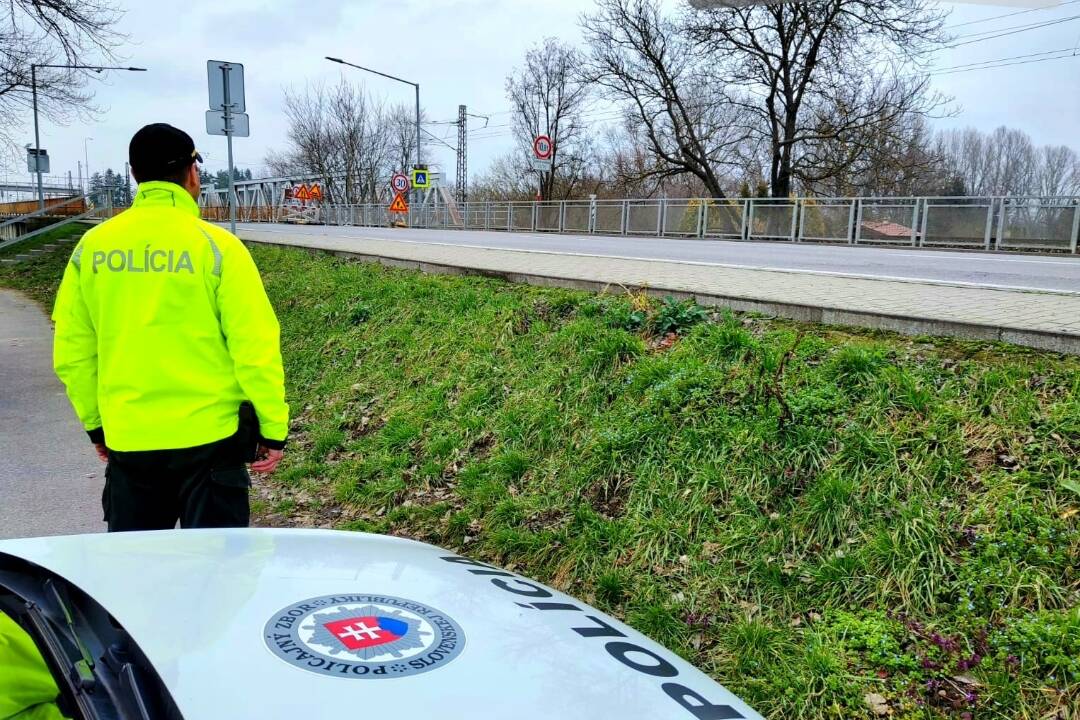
267	460
102	452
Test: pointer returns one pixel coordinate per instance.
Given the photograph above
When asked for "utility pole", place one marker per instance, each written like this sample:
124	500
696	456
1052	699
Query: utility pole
462	186
37	136
86	157
461	189
37	140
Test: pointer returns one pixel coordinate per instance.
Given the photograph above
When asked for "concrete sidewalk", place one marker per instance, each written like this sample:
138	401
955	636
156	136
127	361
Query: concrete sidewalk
1046	320
50	478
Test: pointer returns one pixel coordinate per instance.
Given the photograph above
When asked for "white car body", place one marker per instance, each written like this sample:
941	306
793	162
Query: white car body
279	624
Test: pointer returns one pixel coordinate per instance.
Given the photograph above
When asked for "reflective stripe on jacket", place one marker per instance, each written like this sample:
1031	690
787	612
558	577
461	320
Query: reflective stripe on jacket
163	328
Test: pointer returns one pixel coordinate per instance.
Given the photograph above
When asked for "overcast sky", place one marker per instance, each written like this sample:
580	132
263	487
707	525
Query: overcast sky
460	52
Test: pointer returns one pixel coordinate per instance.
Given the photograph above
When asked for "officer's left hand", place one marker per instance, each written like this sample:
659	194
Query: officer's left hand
267	460
102	452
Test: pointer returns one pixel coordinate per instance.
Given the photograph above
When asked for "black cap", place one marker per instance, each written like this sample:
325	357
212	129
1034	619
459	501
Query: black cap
159	150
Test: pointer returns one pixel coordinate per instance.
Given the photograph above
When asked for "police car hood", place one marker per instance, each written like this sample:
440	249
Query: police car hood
309	623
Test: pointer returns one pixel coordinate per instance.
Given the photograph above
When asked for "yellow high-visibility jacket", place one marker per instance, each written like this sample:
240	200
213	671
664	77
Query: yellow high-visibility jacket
27	688
163	328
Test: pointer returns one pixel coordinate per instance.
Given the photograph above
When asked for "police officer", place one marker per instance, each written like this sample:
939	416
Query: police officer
27	688
164	336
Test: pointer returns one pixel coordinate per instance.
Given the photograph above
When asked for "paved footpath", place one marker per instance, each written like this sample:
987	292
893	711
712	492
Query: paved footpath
1042	319
50	478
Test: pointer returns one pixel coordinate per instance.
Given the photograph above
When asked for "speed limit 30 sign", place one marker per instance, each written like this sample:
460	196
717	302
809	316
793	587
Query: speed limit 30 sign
399	182
542	147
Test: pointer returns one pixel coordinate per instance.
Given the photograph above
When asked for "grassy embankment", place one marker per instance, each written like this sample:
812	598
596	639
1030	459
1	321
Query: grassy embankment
40	276
834	524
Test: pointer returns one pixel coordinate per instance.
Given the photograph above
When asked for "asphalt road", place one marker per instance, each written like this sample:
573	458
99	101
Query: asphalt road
990	270
50	478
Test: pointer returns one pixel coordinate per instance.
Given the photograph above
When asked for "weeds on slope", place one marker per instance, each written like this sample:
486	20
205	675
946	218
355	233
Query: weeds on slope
833	524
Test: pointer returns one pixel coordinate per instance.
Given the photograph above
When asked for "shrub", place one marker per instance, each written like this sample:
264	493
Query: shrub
678	315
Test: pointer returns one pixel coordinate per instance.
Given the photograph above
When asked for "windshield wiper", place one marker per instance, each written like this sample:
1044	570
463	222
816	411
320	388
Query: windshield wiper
75	673
82	670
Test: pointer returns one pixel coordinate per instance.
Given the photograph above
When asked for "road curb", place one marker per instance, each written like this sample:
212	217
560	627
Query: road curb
905	325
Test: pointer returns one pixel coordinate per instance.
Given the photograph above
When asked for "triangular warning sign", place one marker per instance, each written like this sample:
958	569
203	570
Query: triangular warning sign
302	193
399	205
316	192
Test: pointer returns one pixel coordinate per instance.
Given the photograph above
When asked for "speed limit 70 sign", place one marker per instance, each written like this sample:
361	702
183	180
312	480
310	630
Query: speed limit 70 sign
542	147
399	182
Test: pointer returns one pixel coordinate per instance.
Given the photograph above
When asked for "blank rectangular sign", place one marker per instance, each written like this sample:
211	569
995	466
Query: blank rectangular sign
216	72
215	124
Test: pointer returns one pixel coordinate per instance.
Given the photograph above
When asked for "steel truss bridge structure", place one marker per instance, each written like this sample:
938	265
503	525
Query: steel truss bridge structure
272	199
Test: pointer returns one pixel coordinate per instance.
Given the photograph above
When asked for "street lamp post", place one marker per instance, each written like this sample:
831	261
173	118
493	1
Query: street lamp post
416	86
86	158
37	136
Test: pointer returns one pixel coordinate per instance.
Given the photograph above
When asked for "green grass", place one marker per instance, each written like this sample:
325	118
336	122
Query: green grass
40	277
808	514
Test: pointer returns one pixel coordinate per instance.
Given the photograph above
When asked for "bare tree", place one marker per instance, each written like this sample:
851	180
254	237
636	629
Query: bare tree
548	98
1010	162
1058	171
813	74
631	168
1007	162
962	154
509	177
893	157
643	61
341	135
402	136
56	32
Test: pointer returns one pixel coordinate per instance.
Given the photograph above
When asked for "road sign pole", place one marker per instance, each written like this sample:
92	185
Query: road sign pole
228	141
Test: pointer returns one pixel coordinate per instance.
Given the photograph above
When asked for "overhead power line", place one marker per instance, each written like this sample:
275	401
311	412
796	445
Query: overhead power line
939	71
1067	53
1014	31
1006	15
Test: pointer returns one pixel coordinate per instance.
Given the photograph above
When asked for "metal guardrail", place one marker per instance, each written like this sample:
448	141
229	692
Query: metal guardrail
986	223
82	207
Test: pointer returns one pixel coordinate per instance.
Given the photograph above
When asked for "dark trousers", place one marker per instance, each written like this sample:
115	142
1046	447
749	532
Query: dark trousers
202	487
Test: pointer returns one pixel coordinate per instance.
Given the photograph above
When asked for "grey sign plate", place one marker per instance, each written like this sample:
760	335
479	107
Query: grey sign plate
216	70
215	124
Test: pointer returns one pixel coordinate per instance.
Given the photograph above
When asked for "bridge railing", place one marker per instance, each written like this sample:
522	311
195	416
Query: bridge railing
1001	223
94	207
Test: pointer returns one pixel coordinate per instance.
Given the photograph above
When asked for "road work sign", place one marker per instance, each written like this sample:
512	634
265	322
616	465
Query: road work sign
305	193
399	205
399	182
421	179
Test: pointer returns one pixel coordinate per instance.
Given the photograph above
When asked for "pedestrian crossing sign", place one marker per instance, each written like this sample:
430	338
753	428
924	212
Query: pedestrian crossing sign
421	179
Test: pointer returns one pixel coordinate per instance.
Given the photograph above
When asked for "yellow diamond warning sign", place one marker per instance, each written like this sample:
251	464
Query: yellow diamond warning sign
399	205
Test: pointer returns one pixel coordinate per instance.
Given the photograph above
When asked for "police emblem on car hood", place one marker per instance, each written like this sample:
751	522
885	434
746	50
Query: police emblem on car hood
363	636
